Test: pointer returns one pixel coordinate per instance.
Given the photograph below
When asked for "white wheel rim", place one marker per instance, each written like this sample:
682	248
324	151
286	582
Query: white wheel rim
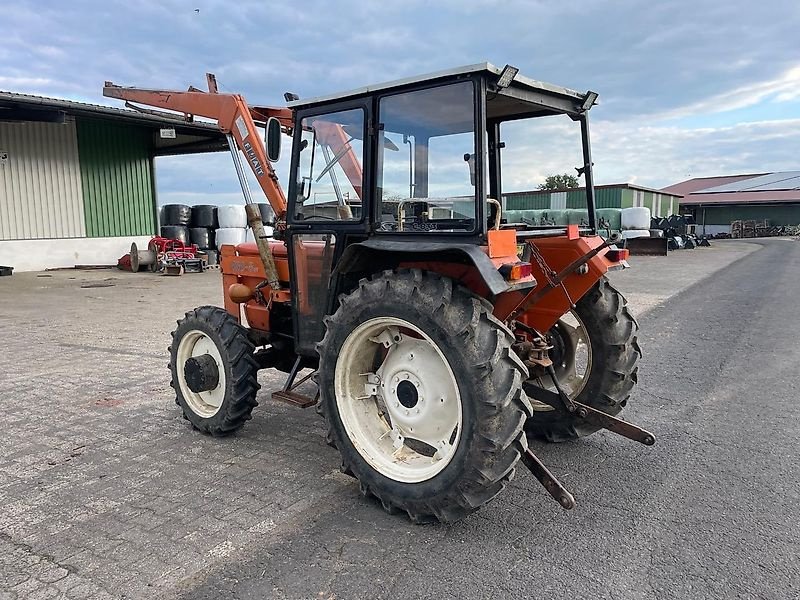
192	344
404	417
573	372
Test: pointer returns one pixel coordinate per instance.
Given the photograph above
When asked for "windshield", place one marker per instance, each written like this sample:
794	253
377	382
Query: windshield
427	151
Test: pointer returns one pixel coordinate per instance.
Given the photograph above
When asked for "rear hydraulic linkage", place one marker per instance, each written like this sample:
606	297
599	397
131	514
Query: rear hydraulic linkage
591	415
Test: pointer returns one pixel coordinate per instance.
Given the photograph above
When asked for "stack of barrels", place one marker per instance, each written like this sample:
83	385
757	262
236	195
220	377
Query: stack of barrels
191	225
210	227
232	225
175	222
202	232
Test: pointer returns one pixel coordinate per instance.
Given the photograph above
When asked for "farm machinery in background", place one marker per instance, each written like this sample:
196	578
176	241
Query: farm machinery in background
165	255
438	335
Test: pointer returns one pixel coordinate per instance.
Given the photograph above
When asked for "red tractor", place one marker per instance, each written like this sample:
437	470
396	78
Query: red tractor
439	333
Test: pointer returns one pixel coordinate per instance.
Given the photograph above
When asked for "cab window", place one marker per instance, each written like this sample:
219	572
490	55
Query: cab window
330	175
426	170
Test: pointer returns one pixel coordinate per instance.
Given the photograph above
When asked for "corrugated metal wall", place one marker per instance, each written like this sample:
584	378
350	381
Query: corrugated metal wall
117	179
576	198
614	197
626	199
604	198
40	182
558	200
785	214
527	200
607	198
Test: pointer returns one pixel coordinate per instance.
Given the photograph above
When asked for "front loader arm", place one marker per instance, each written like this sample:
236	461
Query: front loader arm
233	117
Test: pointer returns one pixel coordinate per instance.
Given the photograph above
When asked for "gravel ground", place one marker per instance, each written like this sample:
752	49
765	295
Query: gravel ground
106	492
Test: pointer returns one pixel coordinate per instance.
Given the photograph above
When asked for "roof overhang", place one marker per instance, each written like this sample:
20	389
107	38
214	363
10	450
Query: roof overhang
739	198
605	186
190	137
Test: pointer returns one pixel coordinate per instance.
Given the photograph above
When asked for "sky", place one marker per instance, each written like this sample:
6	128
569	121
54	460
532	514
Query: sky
687	88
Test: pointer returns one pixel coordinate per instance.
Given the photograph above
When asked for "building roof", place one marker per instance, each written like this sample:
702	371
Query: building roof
753	188
519	80
786	180
700	183
190	138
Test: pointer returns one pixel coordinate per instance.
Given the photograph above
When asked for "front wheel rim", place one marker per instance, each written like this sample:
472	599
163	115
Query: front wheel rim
196	343
398	399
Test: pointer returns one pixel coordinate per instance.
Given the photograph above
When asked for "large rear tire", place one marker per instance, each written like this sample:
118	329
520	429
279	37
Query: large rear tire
422	395
214	373
610	332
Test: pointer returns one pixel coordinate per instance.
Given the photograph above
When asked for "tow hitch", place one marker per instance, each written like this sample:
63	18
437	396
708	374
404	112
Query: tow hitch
555	399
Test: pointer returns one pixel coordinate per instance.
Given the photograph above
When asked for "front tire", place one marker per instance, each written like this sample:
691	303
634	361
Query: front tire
422	395
611	361
214	373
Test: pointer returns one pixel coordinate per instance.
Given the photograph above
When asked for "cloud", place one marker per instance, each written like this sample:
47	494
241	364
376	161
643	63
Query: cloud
655	64
658	156
783	88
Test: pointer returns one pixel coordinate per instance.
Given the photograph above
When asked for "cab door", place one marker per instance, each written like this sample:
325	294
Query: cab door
328	208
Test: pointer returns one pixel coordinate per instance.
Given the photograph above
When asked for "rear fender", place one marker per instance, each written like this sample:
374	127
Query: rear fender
558	253
469	264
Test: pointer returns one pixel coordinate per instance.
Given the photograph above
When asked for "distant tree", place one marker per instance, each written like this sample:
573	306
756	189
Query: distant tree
559	182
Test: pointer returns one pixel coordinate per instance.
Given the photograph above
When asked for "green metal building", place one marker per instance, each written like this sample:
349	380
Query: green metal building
624	195
77	181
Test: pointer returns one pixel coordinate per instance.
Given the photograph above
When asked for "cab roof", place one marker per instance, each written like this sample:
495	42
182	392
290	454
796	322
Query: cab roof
520	83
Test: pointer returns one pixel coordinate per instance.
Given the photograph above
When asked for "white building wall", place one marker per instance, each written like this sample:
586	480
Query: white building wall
38	255
40	181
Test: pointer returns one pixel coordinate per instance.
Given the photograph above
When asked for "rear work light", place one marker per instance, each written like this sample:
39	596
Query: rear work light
618	254
514	271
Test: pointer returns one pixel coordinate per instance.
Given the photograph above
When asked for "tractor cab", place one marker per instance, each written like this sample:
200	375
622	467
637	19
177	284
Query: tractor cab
396	174
421	157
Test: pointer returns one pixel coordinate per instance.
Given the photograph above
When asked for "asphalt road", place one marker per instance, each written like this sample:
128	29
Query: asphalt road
711	511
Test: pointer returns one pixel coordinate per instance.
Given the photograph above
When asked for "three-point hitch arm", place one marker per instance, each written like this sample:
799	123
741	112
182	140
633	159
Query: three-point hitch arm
238	122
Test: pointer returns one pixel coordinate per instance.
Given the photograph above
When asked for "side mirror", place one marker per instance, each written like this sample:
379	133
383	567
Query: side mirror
272	139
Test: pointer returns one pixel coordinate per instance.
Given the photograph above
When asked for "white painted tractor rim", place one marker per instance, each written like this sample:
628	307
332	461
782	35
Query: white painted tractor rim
398	399
196	343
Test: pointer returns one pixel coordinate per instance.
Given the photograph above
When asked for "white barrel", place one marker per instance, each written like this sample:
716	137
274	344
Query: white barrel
629	234
230	235
637	217
230	216
251	236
